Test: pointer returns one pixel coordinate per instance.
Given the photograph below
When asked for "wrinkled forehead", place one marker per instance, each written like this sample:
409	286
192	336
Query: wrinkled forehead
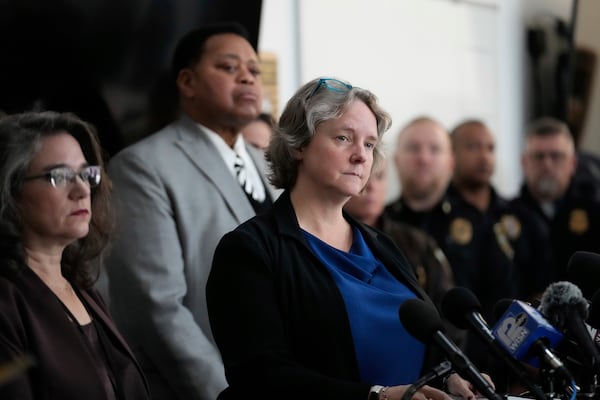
559	142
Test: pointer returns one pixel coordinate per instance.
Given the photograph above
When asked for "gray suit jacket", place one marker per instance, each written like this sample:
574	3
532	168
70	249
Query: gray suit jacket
175	198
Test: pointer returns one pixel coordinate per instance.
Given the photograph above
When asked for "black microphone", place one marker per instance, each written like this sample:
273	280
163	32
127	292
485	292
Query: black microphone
438	371
565	307
583	270
461	307
594	311
422	321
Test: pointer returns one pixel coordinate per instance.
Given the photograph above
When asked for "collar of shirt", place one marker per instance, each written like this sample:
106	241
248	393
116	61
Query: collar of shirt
228	155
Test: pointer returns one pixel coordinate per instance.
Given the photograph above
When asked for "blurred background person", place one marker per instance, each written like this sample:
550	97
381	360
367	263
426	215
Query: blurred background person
316	292
55	221
517	234
568	208
424	165
258	132
510	252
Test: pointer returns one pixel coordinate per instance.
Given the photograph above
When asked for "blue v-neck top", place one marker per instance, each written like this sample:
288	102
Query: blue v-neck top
386	353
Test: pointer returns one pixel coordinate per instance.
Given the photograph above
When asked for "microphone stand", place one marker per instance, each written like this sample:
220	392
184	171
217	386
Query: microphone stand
440	370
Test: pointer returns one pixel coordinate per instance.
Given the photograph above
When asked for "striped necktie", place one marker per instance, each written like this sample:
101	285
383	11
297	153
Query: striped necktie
241	173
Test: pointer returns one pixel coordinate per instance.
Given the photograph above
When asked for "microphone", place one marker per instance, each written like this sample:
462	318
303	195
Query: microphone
422	321
594	311
565	307
526	335
438	371
461	307
583	270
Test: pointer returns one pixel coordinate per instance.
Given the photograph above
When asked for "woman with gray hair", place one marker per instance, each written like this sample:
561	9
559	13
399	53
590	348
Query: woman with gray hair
303	300
57	339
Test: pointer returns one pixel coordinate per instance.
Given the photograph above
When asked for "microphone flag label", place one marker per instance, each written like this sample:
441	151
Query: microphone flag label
519	327
512	332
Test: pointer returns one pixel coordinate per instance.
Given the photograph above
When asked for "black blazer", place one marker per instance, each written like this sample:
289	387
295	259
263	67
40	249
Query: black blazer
277	315
32	321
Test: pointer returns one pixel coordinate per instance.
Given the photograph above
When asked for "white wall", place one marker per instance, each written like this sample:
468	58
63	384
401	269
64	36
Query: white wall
588	34
447	59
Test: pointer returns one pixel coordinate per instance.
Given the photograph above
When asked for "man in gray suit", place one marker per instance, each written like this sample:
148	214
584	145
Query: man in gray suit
177	192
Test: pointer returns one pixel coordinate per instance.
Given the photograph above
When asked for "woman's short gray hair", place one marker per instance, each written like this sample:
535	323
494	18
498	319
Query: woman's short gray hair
319	100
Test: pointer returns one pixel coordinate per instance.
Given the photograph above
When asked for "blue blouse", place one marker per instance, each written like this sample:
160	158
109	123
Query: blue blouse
386	353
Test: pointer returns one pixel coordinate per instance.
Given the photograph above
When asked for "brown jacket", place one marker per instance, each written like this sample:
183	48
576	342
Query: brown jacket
33	322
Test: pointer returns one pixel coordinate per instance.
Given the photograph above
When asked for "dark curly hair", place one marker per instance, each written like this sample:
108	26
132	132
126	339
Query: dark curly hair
20	140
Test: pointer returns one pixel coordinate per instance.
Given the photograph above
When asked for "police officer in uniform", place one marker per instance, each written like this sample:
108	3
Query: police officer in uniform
568	206
425	162
523	262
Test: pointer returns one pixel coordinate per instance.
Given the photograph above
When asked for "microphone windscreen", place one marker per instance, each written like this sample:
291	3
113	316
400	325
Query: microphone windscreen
420	319
583	270
457	303
594	311
561	299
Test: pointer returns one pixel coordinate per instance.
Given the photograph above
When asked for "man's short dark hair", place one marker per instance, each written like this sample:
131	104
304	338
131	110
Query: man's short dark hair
189	49
547	126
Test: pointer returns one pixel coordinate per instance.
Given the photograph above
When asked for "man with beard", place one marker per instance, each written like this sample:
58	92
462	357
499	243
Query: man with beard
504	255
517	234
568	207
476	229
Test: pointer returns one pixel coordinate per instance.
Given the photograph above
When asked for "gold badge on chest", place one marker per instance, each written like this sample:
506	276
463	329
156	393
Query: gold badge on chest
578	221
461	231
511	226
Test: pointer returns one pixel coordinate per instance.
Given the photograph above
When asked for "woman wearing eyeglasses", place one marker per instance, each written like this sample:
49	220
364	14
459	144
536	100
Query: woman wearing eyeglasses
57	340
303	300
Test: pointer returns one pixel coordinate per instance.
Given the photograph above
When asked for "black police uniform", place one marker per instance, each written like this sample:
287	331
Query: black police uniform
522	239
575	225
466	237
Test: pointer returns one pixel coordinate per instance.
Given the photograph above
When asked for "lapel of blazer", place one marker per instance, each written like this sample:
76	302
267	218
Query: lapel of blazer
111	329
100	314
206	158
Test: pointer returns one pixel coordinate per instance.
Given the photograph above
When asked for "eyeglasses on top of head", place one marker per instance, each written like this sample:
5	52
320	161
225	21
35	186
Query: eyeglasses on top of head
60	176
335	85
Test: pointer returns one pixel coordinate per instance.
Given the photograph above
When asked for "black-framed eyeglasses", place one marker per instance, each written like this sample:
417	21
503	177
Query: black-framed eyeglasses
554	156
335	85
60	176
